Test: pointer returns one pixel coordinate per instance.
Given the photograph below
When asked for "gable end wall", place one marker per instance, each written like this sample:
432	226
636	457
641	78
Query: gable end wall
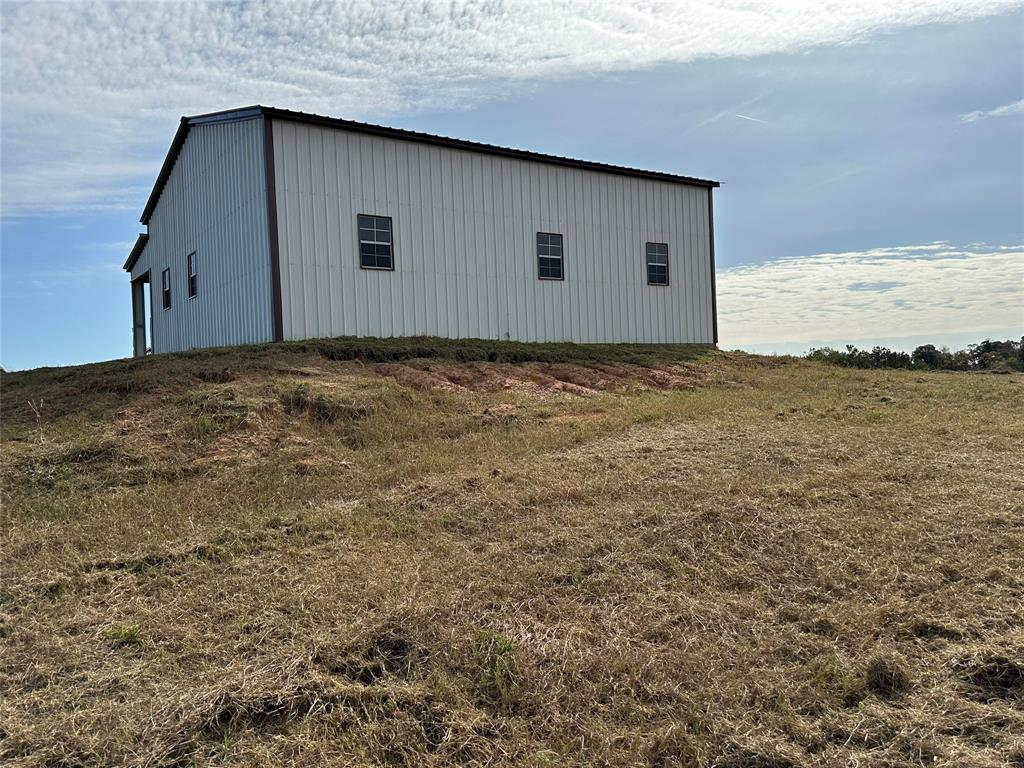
215	204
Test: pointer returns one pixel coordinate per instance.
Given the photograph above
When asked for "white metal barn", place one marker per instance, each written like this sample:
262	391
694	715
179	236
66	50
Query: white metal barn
269	225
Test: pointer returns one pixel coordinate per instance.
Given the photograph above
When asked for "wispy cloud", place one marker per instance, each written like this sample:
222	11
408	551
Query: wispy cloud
91	91
933	288
731	110
1013	108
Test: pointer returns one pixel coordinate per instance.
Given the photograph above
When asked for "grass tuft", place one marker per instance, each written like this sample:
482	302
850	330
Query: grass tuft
498	664
887	675
129	635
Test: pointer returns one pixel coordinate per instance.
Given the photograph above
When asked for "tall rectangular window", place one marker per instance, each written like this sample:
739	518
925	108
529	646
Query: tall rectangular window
657	264
549	257
193	287
375	242
165	287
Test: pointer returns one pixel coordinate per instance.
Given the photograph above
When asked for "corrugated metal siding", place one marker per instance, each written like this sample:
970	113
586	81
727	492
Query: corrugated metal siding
465	229
214	204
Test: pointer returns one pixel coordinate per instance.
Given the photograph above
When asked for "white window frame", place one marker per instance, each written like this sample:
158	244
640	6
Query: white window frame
192	275
560	258
390	242
648	263
165	289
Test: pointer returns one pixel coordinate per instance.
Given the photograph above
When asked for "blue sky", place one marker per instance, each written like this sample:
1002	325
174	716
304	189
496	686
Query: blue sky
872	157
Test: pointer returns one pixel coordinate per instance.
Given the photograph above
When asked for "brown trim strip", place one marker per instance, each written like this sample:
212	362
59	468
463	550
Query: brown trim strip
272	235
711	239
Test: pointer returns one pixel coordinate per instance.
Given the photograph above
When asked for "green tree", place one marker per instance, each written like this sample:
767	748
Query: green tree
927	355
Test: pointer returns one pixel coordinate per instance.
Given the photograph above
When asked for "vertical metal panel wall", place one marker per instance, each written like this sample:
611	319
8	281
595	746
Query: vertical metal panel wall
214	204
465	227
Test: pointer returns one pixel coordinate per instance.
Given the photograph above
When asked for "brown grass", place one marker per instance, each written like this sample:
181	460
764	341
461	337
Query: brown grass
717	561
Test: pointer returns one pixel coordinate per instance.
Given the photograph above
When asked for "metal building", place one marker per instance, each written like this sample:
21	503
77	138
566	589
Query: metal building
268	225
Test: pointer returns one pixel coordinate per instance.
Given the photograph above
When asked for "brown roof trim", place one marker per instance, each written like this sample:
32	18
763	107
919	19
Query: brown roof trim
475	146
165	169
272	233
225	116
393	133
140	245
711	249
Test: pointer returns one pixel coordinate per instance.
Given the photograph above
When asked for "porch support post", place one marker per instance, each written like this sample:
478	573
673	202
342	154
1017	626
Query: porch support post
138	318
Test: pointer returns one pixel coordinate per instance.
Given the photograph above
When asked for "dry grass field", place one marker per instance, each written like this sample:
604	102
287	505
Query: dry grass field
684	558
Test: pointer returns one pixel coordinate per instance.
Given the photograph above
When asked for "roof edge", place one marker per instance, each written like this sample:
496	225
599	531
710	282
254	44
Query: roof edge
245	113
137	249
224	116
476	146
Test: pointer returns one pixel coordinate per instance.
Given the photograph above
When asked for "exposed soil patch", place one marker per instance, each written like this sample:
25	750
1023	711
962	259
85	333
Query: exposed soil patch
582	379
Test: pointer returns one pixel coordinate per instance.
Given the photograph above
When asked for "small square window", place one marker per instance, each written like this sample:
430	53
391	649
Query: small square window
657	264
193	285
376	248
165	286
549	256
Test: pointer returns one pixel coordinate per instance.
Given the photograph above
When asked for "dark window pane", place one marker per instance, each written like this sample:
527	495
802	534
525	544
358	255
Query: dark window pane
549	256
375	241
657	263
549	268
657	274
165	283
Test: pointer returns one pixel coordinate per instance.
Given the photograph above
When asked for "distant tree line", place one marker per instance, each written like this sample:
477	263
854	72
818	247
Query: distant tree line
988	355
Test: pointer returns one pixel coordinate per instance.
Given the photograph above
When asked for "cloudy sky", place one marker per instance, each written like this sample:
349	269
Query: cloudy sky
872	154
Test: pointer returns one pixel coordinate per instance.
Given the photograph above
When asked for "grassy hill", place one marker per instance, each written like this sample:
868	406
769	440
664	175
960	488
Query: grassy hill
434	553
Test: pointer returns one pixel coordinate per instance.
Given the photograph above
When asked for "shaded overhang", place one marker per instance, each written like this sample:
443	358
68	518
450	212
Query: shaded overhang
140	245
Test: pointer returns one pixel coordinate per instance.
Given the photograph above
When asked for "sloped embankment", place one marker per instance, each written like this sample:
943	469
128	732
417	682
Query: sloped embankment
268	557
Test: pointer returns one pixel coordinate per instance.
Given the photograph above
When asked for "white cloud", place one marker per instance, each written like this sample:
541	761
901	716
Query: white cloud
91	91
1013	108
934	289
